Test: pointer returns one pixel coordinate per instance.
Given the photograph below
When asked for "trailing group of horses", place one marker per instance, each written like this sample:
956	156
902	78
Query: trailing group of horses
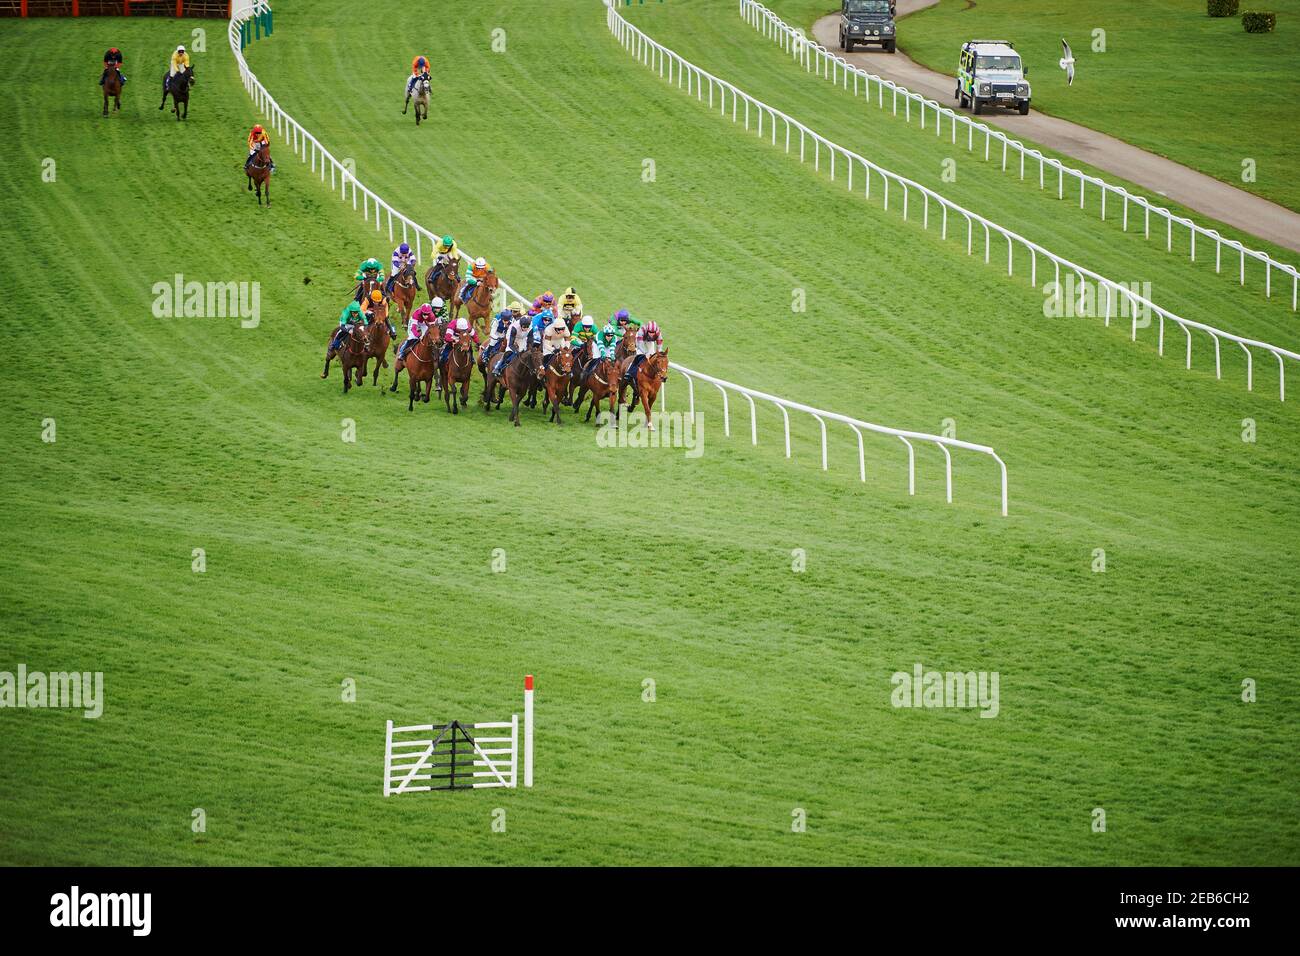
564	381
179	91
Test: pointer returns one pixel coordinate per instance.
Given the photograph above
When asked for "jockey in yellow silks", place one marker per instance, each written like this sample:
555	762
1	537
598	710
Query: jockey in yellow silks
569	304
257	138
180	62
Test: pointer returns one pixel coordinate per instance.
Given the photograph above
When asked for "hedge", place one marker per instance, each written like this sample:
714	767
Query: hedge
1258	22
1222	8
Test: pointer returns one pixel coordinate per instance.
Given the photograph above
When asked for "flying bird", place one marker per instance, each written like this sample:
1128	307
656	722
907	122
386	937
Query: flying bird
1067	63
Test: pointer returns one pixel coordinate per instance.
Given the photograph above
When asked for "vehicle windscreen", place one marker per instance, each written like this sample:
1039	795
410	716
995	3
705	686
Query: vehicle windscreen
867	6
1008	63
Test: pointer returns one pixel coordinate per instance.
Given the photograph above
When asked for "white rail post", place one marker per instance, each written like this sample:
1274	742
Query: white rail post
528	730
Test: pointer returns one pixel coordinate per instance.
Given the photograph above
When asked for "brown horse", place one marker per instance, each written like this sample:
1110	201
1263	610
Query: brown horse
521	377
404	287
581	356
380	336
555	378
645	387
479	305
602	384
447	282
352	355
457	371
259	172
492	386
420	362
113	88
626	345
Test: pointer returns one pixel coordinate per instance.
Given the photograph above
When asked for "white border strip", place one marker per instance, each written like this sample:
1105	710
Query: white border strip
837	69
310	151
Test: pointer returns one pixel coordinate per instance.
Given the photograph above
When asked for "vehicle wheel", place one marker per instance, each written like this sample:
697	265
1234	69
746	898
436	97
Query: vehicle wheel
848	46
956	95
977	105
1024	108
889	47
842	46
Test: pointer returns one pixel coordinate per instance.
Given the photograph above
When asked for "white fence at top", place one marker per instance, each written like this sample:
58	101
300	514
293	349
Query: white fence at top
695	81
815	57
344	181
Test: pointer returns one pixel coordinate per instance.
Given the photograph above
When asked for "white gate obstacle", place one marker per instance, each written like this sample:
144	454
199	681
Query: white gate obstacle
455	756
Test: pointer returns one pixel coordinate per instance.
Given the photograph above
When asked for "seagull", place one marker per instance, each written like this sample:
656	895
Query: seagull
1067	63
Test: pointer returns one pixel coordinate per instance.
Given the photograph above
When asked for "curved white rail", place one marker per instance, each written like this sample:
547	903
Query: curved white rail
813	56
309	150
680	71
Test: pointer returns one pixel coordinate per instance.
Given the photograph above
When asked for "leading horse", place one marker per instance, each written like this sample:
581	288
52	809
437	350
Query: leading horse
645	386
179	88
443	280
113	88
259	172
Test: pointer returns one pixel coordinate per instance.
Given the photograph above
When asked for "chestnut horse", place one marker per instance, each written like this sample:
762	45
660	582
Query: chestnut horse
420	362
457	371
113	88
352	355
645	387
404	292
626	345
602	383
479	305
447	282
259	172
380	336
555	378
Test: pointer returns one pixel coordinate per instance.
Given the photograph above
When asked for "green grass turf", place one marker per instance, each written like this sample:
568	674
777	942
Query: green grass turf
1199	90
328	560
709	34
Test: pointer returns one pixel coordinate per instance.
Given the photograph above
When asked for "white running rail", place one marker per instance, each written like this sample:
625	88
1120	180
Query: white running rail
375	210
815	57
681	72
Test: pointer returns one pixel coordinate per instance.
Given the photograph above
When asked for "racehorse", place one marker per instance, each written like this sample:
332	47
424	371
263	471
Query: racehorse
556	380
521	378
422	93
404	292
479	305
602	383
113	88
649	377
259	172
443	281
492	386
366	286
457	370
179	87
379	339
581	356
626	345
419	361
352	355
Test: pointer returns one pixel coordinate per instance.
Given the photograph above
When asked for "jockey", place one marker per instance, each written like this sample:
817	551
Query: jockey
351	315
605	343
500	326
402	257
537	328
649	341
369	306
180	62
480	269
439	307
449	337
257	138
542	303
421	319
554	338
517	335
584	333
371	270
444	252
622	319
419	66
570	304
112	61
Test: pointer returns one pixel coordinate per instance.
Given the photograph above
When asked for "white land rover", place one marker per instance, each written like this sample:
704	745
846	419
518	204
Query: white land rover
990	74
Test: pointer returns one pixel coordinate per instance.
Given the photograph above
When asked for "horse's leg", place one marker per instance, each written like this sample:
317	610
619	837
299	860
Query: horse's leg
647	402
268	189
250	184
105	101
414	390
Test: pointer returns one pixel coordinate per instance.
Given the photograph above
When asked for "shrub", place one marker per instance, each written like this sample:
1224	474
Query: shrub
1258	22
1221	8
